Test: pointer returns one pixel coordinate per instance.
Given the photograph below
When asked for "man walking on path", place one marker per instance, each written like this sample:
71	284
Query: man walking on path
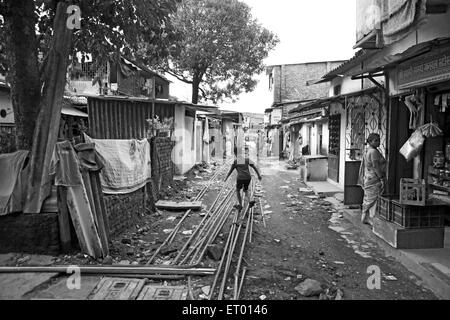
244	177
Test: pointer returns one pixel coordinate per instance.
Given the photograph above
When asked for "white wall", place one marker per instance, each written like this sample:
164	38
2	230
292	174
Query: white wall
325	137
190	144
347	85
183	155
178	137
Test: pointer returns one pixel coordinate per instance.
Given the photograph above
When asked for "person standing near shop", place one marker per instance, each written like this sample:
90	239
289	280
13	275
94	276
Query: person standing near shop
372	177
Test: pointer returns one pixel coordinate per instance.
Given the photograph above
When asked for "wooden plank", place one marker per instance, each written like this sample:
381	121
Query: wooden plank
90	196
117	289
64	220
98	188
179	206
47	123
103	232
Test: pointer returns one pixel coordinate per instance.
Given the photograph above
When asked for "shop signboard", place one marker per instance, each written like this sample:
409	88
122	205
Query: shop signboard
276	115
426	69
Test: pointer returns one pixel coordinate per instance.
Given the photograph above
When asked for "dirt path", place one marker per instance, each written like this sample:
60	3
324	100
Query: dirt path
298	244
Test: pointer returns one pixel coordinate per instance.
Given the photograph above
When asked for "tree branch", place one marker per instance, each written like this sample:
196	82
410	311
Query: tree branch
204	95
177	76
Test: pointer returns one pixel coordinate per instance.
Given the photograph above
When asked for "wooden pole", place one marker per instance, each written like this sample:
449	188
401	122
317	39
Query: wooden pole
64	220
47	124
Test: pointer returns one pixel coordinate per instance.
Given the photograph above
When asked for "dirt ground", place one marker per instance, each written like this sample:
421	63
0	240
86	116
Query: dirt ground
304	238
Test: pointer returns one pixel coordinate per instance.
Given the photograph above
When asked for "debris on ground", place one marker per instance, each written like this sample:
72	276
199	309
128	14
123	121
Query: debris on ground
309	288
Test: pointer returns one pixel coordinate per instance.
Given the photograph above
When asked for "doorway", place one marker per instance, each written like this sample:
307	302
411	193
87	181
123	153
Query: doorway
334	147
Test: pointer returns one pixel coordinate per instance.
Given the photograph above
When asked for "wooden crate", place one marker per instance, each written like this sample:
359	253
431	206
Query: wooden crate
407	216
384	206
413	192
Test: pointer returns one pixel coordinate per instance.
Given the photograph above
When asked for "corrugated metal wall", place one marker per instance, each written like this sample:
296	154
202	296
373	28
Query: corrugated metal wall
123	119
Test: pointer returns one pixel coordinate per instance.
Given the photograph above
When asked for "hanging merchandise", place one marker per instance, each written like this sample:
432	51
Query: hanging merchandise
415	106
430	130
437	100
413	146
444	102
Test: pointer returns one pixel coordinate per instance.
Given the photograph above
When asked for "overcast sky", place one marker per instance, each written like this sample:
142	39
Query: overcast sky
309	31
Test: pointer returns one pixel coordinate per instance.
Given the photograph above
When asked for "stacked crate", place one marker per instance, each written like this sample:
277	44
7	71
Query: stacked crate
409	216
384	206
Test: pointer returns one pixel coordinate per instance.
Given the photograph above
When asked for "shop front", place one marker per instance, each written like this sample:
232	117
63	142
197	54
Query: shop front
415	213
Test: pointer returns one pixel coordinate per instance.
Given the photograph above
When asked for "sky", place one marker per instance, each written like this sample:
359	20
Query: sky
309	31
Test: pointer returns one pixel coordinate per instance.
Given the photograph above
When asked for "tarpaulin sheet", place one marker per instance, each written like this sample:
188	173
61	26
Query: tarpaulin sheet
127	164
400	16
12	182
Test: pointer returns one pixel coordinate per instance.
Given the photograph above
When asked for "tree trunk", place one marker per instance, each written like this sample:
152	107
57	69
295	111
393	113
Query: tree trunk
47	126
195	88
23	74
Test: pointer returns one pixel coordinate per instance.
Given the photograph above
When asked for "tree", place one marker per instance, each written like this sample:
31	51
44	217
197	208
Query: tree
107	27
33	28
221	48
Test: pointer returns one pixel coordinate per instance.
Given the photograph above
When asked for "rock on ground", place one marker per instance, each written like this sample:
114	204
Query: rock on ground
309	288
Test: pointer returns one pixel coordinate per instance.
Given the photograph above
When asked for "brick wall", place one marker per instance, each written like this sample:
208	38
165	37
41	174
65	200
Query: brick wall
124	210
31	233
290	81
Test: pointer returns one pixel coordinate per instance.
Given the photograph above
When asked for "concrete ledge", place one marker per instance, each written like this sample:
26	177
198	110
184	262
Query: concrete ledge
402	238
421	265
323	188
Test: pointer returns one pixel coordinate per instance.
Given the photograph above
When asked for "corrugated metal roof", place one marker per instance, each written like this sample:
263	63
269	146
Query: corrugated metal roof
71	111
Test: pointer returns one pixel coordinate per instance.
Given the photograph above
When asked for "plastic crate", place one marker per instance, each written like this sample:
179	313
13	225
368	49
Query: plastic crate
407	216
384	206
413	192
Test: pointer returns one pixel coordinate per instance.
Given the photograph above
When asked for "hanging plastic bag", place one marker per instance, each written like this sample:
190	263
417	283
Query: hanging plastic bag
413	146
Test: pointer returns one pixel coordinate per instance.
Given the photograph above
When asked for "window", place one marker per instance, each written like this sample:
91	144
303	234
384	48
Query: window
337	90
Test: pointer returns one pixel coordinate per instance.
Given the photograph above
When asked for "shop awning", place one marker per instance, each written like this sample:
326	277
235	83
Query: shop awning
307	119
71	111
382	63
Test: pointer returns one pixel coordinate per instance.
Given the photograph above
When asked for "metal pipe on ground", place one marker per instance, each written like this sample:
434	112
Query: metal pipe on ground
251	225
140	270
216	217
201	250
214	235
201	194
197	230
244	271
224	255
230	256
201	239
241	254
227	266
166	241
172	235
